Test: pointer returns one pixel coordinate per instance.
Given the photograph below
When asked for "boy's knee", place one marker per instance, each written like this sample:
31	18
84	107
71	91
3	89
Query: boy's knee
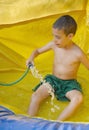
78	99
35	97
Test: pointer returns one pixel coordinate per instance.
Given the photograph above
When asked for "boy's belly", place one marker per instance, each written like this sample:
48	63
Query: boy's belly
65	73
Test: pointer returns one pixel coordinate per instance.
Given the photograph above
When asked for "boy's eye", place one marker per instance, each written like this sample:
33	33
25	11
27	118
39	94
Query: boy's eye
57	37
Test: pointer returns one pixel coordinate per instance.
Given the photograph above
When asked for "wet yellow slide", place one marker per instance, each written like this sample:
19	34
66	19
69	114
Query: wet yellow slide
24	26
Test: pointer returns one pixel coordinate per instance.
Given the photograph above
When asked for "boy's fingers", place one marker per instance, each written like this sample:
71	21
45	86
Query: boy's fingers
29	62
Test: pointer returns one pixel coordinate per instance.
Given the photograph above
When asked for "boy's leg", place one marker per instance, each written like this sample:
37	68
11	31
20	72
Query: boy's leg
76	98
37	97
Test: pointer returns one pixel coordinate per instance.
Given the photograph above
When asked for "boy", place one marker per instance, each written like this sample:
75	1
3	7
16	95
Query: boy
67	59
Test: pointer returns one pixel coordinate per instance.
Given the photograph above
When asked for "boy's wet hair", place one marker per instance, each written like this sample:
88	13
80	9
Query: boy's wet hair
67	23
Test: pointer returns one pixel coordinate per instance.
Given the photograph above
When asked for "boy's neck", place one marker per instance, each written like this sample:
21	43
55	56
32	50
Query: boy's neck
69	45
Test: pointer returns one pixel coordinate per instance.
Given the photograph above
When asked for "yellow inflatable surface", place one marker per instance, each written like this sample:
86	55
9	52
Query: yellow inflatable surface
26	25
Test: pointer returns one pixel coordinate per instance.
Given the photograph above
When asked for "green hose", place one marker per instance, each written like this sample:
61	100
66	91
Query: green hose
18	80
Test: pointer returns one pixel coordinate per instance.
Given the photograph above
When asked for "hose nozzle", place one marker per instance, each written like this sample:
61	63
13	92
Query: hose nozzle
30	65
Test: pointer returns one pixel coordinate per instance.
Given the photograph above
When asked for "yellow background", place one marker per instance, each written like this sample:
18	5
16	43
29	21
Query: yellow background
26	25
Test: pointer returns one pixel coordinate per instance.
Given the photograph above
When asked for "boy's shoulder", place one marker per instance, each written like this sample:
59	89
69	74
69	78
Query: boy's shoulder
51	44
78	50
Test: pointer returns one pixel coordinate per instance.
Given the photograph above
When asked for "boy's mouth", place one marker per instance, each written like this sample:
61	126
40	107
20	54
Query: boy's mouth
58	44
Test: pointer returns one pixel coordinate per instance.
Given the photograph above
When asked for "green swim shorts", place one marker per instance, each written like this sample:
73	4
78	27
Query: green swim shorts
61	87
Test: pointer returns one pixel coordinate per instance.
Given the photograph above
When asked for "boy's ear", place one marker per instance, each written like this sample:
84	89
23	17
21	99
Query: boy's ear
70	36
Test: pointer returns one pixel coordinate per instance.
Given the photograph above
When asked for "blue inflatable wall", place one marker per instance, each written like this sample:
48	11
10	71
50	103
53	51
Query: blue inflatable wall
10	121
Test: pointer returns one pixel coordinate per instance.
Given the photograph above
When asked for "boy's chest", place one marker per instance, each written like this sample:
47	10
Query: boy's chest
66	57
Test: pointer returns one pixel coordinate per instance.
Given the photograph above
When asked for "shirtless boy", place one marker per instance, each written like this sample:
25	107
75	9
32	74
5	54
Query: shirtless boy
67	59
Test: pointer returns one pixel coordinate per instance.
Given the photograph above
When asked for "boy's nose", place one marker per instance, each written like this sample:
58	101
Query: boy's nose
55	40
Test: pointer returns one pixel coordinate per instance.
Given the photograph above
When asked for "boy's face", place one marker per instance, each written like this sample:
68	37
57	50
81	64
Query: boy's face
60	38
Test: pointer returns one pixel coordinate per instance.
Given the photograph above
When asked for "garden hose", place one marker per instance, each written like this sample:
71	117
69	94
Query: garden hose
18	80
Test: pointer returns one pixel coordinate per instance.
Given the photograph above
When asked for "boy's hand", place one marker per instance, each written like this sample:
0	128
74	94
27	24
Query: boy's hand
29	62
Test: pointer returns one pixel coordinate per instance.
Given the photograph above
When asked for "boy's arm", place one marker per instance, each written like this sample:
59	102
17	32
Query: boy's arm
84	60
37	52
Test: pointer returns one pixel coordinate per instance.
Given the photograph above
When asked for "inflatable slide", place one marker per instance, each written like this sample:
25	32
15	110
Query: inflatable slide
25	26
